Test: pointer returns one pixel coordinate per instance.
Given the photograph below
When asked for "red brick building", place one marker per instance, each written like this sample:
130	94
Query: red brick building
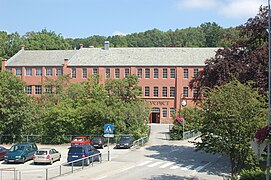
164	73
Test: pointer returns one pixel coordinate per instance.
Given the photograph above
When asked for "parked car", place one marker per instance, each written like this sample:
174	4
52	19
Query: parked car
125	141
98	142
78	152
80	140
21	152
46	155
3	152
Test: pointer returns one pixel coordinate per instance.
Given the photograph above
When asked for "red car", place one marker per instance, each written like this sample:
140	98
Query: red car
80	140
3	152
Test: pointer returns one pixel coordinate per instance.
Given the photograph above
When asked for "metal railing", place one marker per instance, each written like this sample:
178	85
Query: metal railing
53	172
9	173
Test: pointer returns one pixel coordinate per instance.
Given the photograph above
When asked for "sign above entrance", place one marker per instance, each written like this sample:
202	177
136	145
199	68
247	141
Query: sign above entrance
158	103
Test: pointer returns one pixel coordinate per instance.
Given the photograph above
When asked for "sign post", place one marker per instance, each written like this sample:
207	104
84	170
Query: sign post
108	132
179	119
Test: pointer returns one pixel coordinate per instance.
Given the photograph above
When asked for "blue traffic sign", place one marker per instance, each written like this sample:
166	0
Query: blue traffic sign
108	129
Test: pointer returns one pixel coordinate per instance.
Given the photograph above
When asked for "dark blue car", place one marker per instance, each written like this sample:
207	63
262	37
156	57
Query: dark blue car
81	151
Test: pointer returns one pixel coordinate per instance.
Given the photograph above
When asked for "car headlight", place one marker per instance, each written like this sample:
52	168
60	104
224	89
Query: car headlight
5	157
126	144
18	157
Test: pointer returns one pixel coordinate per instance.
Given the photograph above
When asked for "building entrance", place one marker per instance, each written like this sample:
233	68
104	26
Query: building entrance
155	115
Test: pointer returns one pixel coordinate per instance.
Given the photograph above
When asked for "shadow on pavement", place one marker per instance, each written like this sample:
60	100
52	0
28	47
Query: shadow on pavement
170	177
187	156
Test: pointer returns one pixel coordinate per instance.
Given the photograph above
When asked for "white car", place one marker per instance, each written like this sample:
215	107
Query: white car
46	155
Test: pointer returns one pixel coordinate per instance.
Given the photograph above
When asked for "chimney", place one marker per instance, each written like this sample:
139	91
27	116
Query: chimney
4	61
81	46
22	47
65	66
106	45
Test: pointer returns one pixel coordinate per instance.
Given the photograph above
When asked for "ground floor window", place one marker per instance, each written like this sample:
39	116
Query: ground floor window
164	111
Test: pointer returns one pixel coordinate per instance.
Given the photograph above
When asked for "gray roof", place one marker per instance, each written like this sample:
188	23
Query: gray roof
114	57
40	57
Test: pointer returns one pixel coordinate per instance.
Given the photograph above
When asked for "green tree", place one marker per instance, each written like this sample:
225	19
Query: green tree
232	114
212	33
15	106
45	40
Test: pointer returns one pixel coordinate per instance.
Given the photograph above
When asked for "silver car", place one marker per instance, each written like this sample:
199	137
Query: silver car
46	155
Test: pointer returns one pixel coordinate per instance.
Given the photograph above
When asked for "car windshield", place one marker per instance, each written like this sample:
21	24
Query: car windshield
96	139
78	139
17	148
41	153
125	139
76	150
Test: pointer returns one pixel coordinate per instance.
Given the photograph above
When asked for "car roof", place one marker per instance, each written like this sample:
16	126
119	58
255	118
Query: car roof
24	143
45	149
80	136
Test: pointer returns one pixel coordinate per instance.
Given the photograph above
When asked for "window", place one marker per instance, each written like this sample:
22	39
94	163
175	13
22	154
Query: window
195	92
185	91
38	89
49	72
84	73
147	73
172	73
155	73
164	111
59	71
107	73
127	72
28	89
164	92
18	71
147	91
117	73
172	111
155	91
139	72
48	89
28	71
164	73
172	91
38	71
185	73
95	71
196	72
73	72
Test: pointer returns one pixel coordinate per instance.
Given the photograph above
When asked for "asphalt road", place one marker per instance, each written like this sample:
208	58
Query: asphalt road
160	159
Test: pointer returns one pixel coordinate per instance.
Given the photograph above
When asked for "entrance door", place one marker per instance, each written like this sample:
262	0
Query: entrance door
155	115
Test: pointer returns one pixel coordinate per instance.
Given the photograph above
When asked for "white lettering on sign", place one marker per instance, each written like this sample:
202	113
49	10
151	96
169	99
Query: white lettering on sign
158	103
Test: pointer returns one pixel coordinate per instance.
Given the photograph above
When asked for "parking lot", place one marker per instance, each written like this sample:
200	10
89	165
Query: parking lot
44	171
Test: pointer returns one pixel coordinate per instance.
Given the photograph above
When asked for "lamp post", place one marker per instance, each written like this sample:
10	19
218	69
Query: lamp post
269	62
183	105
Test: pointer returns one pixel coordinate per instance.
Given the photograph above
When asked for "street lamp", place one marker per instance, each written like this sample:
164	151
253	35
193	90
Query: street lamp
183	105
269	63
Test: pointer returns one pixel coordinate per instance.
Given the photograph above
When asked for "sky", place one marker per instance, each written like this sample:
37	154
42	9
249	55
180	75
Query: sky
84	18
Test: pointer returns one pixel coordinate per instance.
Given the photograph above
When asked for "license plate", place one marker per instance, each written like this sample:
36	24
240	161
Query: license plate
74	156
121	146
95	145
11	160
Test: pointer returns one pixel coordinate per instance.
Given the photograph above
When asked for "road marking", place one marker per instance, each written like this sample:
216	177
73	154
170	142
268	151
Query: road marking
174	167
144	163
101	177
166	165
202	167
154	164
127	168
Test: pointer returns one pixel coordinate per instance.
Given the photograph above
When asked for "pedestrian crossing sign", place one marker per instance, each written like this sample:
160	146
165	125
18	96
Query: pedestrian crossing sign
108	129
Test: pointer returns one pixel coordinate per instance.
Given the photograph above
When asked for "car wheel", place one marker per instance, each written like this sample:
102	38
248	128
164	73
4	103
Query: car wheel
23	160
87	161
